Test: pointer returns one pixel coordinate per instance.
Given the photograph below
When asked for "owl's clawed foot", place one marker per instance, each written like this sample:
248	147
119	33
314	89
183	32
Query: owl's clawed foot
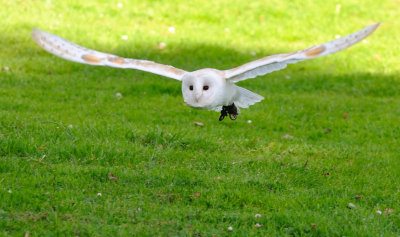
232	110
223	114
233	116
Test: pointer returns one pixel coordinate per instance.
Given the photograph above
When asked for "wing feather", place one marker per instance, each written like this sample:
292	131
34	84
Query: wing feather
280	61
73	52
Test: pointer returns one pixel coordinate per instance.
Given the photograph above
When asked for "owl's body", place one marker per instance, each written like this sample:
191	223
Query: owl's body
208	89
219	92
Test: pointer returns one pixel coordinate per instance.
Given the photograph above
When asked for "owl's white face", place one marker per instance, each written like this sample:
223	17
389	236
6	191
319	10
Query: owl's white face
200	89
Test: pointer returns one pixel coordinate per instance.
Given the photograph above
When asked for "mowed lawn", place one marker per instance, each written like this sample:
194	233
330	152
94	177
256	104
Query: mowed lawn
319	156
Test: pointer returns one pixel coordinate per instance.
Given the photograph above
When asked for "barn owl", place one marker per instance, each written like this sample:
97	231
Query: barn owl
208	88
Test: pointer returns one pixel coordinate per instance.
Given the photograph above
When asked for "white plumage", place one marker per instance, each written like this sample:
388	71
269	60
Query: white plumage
208	88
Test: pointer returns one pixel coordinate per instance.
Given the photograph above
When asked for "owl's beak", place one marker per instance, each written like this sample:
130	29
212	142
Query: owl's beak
198	97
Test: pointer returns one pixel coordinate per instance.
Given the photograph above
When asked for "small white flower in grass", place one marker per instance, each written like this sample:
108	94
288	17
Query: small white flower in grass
124	37
257	225
252	53
120	5
287	136
258	216
70	126
162	45
230	228
139	209
364	41
9	191
249	121
98	194
6	69
171	30
351	205
379	212
118	95
337	36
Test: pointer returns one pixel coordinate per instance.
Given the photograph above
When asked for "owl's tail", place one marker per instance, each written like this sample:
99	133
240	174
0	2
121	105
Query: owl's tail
246	98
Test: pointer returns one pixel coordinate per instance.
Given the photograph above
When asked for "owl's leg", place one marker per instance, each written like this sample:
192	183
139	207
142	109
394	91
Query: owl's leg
224	113
232	110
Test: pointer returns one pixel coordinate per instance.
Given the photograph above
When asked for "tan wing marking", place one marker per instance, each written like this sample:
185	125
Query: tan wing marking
117	60
91	58
312	52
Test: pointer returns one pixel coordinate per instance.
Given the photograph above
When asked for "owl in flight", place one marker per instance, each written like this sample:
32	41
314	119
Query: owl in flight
208	88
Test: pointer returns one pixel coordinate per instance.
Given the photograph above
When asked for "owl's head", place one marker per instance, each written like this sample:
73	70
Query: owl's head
201	88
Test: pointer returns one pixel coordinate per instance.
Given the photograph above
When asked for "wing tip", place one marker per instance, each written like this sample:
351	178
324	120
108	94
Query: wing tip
372	28
35	32
376	24
36	35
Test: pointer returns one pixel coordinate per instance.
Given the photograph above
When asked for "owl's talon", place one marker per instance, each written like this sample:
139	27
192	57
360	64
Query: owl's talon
232	110
224	113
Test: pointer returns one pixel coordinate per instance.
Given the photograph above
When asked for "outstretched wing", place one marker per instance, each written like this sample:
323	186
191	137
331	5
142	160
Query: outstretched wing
71	51
277	62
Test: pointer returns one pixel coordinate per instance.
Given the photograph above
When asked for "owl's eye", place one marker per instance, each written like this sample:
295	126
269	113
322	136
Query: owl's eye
191	88
205	88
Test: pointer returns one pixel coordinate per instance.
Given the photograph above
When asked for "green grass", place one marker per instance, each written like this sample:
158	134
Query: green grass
63	131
